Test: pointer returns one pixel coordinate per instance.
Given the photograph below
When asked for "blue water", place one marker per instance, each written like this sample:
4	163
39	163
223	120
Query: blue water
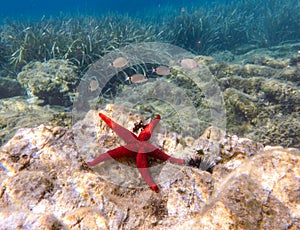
36	8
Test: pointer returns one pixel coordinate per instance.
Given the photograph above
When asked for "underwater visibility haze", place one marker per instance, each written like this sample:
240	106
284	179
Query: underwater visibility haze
161	114
250	47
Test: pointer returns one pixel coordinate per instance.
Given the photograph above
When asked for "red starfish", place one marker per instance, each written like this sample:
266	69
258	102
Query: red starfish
136	146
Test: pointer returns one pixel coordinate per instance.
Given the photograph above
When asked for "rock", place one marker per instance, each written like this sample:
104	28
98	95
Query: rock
16	219
53	81
10	87
262	193
19	112
261	97
86	218
45	183
261	93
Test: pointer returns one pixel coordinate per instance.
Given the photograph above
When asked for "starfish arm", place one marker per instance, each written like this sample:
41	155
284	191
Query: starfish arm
142	164
161	155
147	131
116	153
122	132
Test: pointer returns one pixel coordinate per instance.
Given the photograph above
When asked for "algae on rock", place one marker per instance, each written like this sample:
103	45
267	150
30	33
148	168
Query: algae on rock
53	81
17	112
262	97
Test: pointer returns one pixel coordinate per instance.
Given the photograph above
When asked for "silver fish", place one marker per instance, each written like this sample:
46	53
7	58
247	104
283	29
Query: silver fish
137	78
93	84
119	62
162	70
188	63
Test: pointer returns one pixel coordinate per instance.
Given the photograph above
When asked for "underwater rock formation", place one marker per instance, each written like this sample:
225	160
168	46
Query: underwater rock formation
10	88
52	81
260	90
262	95
45	183
19	112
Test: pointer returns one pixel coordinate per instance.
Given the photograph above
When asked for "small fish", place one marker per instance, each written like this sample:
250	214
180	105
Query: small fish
94	84
137	78
119	62
162	70
188	63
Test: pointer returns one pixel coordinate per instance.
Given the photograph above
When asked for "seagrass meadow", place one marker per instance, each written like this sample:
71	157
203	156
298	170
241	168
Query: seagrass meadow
252	47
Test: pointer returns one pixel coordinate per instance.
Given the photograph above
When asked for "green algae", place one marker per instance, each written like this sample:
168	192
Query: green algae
53	81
